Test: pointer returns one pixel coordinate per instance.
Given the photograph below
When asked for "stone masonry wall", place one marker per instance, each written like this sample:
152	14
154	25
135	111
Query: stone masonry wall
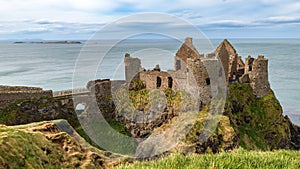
223	55
199	73
259	77
132	68
18	88
8	97
187	50
100	88
150	78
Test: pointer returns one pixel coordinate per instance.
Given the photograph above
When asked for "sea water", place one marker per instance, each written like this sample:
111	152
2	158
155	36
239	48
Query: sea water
51	66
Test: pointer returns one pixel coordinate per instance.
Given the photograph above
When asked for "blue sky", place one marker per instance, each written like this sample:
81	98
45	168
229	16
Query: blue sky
79	19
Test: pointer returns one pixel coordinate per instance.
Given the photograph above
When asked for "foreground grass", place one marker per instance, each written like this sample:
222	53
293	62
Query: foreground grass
237	159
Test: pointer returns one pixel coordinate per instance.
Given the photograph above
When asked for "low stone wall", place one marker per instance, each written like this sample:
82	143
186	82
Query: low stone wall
18	88
8	97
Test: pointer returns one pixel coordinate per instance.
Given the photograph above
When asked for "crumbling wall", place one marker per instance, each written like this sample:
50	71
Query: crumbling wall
216	75
20	93
232	71
199	73
223	55
19	88
259	76
240	67
157	79
229	58
249	64
187	50
132	68
101	88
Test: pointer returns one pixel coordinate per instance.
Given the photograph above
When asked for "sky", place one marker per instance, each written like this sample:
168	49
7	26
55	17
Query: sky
80	19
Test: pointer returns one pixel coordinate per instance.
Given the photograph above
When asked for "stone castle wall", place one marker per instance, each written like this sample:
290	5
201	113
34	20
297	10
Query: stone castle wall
198	72
132	68
259	77
223	55
157	79
18	88
100	88
8	97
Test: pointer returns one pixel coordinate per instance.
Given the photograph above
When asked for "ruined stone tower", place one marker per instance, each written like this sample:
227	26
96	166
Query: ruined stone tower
258	75
132	68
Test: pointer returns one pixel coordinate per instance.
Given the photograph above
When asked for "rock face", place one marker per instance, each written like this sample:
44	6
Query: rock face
295	136
34	110
259	122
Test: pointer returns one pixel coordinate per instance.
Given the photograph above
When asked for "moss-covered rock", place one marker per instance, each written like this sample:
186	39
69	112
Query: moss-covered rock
212	134
258	121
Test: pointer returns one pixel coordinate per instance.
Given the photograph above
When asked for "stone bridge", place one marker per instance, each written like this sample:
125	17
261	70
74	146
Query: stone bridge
75	97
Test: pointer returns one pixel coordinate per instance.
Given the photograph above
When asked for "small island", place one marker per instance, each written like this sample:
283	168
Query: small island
50	42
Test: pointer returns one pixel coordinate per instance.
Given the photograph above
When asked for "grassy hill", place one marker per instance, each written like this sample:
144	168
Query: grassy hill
44	145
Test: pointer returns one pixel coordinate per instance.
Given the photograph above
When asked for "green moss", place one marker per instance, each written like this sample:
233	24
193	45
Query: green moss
137	85
119	127
258	121
8	114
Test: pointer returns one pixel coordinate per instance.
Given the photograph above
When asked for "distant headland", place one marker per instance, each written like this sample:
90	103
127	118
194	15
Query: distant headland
50	42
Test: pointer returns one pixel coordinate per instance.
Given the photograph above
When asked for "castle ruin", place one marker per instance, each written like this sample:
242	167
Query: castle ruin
193	72
203	71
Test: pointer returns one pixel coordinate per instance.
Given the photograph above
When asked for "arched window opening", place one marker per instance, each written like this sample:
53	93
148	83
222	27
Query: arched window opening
170	82
158	81
207	80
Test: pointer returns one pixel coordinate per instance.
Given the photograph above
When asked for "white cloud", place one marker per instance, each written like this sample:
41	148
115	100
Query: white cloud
102	5
283	20
292	7
271	1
